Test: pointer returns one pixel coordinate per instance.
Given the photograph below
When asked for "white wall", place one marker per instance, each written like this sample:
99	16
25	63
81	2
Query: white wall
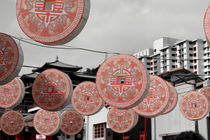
163	42
99	117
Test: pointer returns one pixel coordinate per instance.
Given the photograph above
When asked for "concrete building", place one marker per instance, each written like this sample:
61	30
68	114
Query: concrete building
170	53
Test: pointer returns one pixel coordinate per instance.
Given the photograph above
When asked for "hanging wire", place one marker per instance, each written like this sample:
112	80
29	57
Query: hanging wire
64	47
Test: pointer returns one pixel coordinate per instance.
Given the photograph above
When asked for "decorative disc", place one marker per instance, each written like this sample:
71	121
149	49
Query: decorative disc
206	92
52	89
207	24
136	119
72	122
12	94
11	58
122	81
121	121
12	122
46	122
52	21
86	99
156	100
194	106
173	99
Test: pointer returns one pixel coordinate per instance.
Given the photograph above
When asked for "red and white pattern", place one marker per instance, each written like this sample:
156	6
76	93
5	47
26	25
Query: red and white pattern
156	100
12	123
52	90
173	99
86	99
72	122
121	121
206	91
122	81
52	21
12	94
207	24
194	106
11	58
46	122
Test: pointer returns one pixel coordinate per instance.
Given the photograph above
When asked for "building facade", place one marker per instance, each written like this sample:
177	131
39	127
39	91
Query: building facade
170	53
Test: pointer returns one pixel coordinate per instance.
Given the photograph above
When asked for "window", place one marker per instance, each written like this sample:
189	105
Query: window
99	130
173	49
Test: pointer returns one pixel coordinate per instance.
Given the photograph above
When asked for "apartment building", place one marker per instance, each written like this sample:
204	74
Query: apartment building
170	53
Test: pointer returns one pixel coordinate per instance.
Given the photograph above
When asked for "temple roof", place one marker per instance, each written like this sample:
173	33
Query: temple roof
58	65
32	75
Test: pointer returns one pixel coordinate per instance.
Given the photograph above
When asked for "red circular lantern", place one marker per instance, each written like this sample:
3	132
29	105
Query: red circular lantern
52	22
194	106
121	121
52	90
206	91
12	94
207	24
12	123
173	99
72	122
122	81
47	122
11	58
156	100
86	99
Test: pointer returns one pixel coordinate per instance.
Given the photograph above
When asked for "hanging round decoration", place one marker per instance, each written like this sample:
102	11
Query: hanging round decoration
122	81
12	94
156	100
46	122
12	123
11	59
53	22
52	90
136	119
121	121
72	122
206	91
86	99
173	99
207	24
194	106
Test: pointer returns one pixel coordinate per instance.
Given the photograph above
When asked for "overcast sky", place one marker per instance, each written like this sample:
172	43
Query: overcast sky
125	26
